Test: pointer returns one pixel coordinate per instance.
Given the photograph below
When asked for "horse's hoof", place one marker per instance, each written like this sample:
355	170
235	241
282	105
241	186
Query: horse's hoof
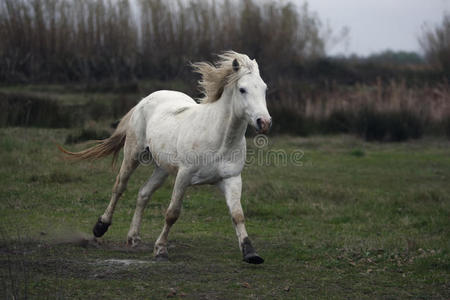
249	253
133	242
162	257
253	258
100	228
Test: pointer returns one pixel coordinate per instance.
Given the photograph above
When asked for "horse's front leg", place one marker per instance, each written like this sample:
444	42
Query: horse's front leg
182	181
231	187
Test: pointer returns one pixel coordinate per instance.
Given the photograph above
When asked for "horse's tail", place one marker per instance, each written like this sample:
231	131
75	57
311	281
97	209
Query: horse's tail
111	145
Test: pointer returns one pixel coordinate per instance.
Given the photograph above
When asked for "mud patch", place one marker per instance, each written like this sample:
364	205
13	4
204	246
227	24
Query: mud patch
70	237
122	262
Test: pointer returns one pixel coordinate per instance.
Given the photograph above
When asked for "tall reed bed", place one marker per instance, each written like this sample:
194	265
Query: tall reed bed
60	40
389	111
65	40
115	43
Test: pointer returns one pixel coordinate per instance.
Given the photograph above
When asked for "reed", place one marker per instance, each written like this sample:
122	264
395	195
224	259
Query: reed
389	111
113	44
63	40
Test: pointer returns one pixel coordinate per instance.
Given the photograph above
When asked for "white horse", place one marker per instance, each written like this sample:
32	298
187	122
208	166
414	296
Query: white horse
200	143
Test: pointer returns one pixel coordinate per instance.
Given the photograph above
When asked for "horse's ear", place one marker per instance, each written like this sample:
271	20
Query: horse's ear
235	65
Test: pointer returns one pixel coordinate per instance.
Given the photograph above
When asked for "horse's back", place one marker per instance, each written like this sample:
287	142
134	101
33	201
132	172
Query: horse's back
168	100
156	119
161	105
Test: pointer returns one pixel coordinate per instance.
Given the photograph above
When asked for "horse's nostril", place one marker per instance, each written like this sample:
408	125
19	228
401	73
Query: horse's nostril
259	121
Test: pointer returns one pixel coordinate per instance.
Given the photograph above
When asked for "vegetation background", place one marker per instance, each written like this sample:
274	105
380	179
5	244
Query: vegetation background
365	216
114	46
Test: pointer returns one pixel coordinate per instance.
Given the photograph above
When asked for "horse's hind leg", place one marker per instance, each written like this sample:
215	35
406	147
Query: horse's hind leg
129	164
156	181
173	212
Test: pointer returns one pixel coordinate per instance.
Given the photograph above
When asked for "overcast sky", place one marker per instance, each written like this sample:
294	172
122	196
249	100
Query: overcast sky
377	25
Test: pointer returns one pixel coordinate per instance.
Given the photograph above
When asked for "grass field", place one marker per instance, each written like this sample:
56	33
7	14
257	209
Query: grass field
354	220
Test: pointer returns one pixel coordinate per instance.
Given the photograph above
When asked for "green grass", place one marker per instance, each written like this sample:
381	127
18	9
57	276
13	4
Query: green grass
353	220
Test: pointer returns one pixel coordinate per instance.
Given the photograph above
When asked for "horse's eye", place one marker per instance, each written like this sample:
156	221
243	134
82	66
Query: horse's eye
242	90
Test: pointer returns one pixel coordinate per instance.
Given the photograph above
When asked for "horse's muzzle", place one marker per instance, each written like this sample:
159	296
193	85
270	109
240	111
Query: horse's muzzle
263	124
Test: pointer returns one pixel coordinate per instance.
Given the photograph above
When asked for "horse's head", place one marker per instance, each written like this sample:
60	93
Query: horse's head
236	76
249	96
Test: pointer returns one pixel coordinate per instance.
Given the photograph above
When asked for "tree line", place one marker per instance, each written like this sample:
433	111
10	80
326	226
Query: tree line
64	40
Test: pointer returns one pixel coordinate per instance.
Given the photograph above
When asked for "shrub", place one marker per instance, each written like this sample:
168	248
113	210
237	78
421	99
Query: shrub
87	134
339	121
446	126
26	110
392	126
436	44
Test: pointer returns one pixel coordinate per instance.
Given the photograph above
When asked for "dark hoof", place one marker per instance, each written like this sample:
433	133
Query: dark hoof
100	228
249	253
253	258
162	257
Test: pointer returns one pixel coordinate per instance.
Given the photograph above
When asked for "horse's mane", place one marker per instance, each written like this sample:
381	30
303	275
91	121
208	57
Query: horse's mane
218	75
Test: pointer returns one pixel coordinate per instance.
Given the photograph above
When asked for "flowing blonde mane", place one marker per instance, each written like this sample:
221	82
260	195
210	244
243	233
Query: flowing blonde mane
215	77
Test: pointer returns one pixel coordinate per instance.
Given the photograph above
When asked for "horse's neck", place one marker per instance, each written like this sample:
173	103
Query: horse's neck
230	127
234	131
